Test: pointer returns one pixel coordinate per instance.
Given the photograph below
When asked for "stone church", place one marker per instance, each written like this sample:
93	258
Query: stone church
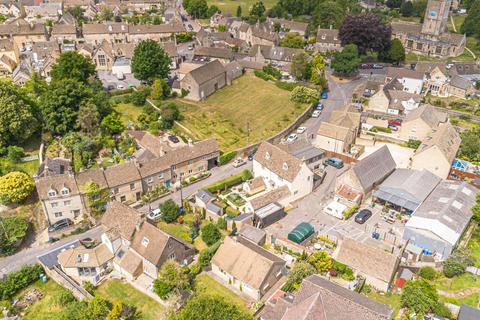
432	37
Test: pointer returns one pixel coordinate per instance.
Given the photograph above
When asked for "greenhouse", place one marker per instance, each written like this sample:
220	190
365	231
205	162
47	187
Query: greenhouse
301	232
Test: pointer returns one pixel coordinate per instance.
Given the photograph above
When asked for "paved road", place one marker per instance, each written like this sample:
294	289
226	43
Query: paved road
29	255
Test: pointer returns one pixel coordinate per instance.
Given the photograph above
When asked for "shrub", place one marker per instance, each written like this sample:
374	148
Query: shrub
230	181
210	234
15	153
457	263
222	224
299	271
169	211
18	280
350	211
16	228
139	97
272	71
161	288
321	261
263	75
304	94
414	144
343	270
64	298
87	285
289	86
225	158
381	129
427	273
207	254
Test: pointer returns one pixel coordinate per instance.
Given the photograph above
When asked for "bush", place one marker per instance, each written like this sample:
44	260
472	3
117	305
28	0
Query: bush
64	298
304	94
207	254
161	288
274	72
16	228
227	157
139	97
169	211
18	280
289	86
262	75
230	181
343	271
350	211
457	263
299	271
222	224
414	144
427	273
381	129
87	285
210	234
14	153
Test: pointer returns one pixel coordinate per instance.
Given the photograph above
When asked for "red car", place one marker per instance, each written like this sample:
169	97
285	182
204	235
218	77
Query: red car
395	122
365	66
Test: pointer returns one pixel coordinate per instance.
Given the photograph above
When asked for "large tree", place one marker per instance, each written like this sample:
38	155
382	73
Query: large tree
406	9
258	9
13	230
15	187
150	61
198	9
346	62
88	118
329	14
367	31
419	296
206	307
293	40
396	52
72	65
299	66
317	70
17	115
471	25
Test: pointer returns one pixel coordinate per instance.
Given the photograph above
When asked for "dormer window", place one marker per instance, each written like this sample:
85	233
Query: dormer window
285	166
267	155
52	193
145	242
324	37
65	191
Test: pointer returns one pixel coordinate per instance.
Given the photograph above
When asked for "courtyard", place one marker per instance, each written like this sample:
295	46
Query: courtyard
248	111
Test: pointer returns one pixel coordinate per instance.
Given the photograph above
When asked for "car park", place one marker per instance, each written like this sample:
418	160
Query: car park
363	216
238	162
334	162
301	130
60	224
292	137
154	215
173	139
316	113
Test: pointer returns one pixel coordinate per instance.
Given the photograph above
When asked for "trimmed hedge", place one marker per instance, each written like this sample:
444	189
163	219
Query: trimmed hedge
225	158
230	181
263	75
304	95
18	280
289	86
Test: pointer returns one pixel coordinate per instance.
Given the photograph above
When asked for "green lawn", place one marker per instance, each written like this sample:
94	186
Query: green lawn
474	246
128	112
471	300
182	231
458	20
390	299
29	167
47	308
204	284
249	105
466	280
230	6
147	307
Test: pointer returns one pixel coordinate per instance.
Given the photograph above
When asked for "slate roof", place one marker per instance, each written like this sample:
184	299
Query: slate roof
274	195
333	131
403	73
54	166
345	118
407	188
328	36
207	72
320	299
294	26
369	260
58	29
278	161
461	83
222	53
468	313
50	259
253	234
247	262
467	68
374	168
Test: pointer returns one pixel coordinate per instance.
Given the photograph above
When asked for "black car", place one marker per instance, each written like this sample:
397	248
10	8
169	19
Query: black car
251	154
60	224
363	216
174	139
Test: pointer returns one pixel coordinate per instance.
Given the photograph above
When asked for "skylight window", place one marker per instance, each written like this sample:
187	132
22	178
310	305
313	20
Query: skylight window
285	166
457	205
467	191
443	200
145	242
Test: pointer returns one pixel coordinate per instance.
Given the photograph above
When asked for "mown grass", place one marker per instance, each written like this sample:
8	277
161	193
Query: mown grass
230	6
47	308
128	112
248	111
391	299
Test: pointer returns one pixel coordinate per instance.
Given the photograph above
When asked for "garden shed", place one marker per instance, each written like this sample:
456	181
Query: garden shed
301	232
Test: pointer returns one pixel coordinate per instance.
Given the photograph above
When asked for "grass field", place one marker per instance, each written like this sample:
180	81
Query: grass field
231	6
206	285
147	308
390	299
128	112
249	103
47	308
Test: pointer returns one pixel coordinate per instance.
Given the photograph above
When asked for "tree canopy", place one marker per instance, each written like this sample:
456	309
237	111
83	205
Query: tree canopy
396	52
205	307
72	65
471	25
299	66
14	228
367	31
15	187
210	234
198	9
150	61
470	148
293	40
346	62
18	120
169	211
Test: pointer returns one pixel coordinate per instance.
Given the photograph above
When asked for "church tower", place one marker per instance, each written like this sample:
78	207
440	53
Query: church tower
436	18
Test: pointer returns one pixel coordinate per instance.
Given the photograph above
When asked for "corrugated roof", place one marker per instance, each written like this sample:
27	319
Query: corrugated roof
374	168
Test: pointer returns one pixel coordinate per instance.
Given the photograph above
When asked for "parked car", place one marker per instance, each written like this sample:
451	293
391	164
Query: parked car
174	139
190	47
377	66
324	94
251	154
395	122
301	130
363	216
154	215
334	162
292	137
393	127
190	27
88	242
320	106
120	86
60	224
316	113
365	66
238	162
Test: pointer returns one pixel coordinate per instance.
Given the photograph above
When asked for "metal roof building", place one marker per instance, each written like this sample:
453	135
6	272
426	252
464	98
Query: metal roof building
407	189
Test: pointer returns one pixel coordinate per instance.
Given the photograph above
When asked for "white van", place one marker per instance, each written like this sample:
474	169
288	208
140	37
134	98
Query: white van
335	209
